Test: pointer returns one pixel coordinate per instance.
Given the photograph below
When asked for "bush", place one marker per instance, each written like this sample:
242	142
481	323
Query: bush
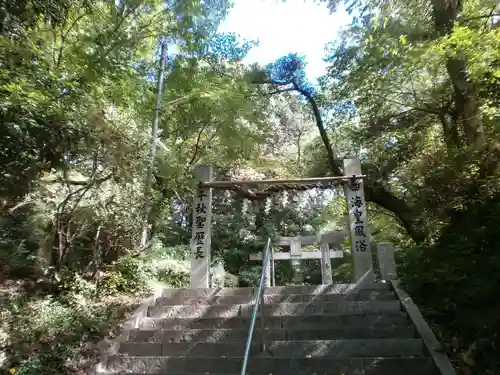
45	335
455	281
74	284
173	274
460	271
45	363
231	281
344	272
38	331
19	243
127	275
159	251
249	276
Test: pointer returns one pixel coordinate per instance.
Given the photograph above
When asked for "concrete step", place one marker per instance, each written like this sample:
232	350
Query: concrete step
283	309
313	321
324	289
240	335
389	319
267	366
206	292
290	349
292	289
362	295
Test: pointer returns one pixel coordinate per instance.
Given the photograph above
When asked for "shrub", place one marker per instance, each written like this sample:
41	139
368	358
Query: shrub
455	281
73	284
249	276
44	335
45	363
127	275
441	273
231	281
173	274
158	250
19	243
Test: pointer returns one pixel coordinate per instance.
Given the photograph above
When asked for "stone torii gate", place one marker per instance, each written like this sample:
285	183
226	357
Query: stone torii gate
296	254
355	199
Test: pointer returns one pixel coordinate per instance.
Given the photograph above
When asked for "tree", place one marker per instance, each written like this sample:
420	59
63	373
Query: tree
392	45
154	141
76	107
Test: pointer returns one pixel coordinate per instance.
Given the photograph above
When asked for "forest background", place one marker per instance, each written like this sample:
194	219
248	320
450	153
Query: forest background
412	88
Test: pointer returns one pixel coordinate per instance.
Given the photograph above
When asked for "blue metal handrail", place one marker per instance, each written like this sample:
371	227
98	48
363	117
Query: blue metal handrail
259	302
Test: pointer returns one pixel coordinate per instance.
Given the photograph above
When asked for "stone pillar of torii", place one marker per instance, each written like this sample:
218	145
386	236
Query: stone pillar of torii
357	231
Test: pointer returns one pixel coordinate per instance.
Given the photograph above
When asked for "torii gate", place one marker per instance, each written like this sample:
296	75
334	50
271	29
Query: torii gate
296	254
355	198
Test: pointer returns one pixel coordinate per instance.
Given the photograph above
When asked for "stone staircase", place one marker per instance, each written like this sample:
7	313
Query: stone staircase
311	330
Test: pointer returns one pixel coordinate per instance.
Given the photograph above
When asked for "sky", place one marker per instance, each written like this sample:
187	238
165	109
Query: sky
299	26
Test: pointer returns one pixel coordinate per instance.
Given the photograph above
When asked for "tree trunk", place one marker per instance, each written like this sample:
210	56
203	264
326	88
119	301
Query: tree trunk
445	13
322	131
450	131
154	136
407	215
375	192
466	102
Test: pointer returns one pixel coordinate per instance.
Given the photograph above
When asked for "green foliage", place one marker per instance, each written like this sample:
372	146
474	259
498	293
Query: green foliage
75	121
75	113
77	85
168	263
44	363
231	281
249	276
127	275
19	239
443	270
160	249
42	333
455	281
343	272
16	260
73	284
173	275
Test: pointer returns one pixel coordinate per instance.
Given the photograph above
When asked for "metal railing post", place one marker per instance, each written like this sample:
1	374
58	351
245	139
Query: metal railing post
262	325
259	300
273	271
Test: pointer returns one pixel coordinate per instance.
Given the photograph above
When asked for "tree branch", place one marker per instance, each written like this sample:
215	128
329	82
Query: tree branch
321	128
483	16
280	91
426	110
317	116
375	191
64	37
197	145
59	180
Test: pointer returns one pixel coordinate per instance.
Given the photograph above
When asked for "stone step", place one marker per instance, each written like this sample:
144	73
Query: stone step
289	349
324	289
267	366
362	295
283	309
240	335
292	289
396	318
206	292
313	321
